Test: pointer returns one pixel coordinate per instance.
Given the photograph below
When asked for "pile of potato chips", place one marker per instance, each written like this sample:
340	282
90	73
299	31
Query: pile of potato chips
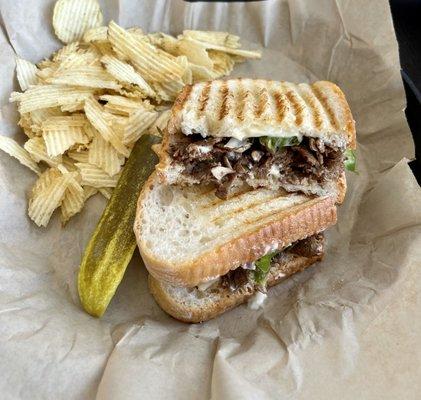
83	109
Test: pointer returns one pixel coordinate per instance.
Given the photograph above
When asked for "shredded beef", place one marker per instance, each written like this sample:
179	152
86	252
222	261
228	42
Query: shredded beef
309	247
311	160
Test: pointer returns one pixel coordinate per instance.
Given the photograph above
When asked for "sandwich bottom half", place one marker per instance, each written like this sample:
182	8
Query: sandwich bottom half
212	298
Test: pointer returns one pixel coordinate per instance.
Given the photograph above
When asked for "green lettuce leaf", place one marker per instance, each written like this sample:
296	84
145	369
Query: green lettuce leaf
350	160
275	144
262	268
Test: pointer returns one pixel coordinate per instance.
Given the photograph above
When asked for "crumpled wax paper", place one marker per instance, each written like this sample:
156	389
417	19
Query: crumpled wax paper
347	328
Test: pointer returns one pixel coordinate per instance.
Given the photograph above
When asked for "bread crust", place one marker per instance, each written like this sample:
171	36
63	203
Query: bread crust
227	299
284	228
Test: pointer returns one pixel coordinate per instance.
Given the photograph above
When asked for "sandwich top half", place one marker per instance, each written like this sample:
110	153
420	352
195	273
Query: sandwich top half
264	133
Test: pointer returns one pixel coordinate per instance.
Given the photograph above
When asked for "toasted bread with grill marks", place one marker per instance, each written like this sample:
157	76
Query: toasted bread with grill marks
186	235
193	305
255	107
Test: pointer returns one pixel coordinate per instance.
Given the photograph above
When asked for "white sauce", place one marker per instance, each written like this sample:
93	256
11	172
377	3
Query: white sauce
206	285
220	172
203	149
257	300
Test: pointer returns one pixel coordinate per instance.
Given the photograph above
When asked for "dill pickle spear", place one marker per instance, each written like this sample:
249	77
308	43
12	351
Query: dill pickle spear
113	242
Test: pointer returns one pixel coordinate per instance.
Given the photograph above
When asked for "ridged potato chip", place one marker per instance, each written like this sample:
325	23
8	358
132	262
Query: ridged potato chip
137	125
38	151
106	192
218	38
72	18
98	119
86	76
37	117
154	64
160	123
223	64
73	201
57	141
45	96
80	156
195	52
228	50
121	105
98	34
9	146
125	73
105	156
47	195
89	191
26	73
95	176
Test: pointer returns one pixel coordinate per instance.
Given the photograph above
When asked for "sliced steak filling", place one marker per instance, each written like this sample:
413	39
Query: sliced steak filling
216	160
242	276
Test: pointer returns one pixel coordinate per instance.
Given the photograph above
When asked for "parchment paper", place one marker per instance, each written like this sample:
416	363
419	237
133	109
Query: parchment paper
347	328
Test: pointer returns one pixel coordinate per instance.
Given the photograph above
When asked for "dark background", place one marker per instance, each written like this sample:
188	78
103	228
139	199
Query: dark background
407	20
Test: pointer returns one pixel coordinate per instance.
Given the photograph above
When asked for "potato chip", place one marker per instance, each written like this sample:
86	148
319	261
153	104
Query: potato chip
45	96
105	156
188	75
53	122
9	146
46	179
121	105
80	156
166	42
89	191
218	38
72	18
223	64
137	125
98	34
154	64
38	151
195	52
86	76
228	50
99	120
95	176
160	123
73	201
201	73
47	195
64	52
60	139
106	192
69	164
26	73
125	73
37	117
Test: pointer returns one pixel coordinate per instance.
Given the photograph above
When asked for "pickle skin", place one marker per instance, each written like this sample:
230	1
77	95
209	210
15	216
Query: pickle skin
113	242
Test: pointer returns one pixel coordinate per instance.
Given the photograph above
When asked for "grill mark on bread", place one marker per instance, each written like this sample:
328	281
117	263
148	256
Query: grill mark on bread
183	97
240	101
296	106
250	206
280	104
312	102
224	92
262	101
204	97
325	105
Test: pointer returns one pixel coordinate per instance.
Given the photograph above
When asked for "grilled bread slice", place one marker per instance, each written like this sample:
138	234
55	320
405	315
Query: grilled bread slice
317	115
186	235
194	305
244	108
